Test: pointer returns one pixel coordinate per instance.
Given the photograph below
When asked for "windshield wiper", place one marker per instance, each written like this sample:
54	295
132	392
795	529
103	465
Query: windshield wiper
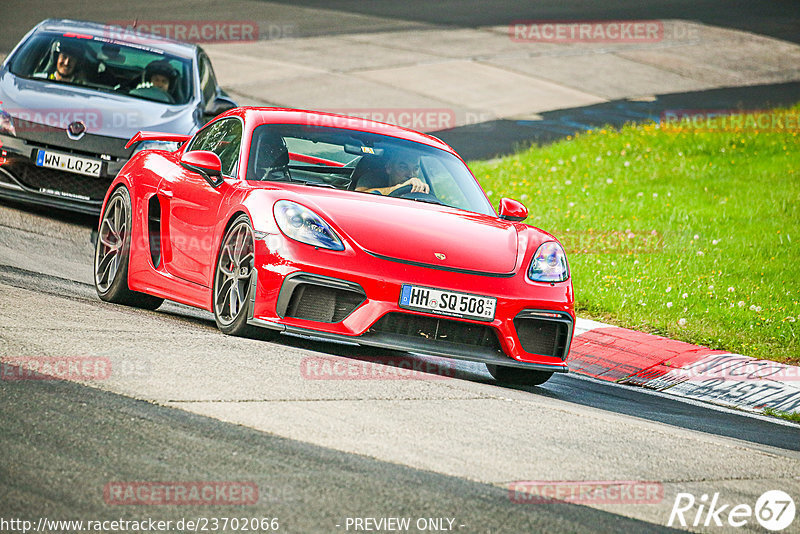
431	200
315	184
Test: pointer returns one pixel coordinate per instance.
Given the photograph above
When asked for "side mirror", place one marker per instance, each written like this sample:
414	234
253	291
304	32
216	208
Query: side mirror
512	210
205	163
219	104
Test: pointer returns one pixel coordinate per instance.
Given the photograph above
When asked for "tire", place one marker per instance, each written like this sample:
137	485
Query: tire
517	376
233	278
112	255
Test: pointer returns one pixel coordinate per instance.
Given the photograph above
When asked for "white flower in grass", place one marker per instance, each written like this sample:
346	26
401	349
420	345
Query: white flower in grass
740	304
681	322
731	290
669	304
700	253
609	181
669	289
684	295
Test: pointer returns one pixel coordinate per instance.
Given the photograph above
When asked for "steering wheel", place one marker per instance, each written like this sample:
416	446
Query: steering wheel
400	191
405	192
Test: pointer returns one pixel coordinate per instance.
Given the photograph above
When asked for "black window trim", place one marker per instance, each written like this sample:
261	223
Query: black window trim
190	146
201	55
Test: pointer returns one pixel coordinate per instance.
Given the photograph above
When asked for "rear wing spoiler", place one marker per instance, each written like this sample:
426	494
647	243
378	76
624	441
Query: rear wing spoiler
157	136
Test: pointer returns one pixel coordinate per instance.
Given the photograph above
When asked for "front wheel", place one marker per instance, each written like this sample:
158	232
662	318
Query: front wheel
233	278
517	376
112	254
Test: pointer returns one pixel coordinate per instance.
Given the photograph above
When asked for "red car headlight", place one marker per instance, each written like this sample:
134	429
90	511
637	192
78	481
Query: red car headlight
549	264
301	224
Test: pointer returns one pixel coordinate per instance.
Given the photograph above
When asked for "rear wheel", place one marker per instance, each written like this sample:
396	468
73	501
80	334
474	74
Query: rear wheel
517	376
112	254
233	279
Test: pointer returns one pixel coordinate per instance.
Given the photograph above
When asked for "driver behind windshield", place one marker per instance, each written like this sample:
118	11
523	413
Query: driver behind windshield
401	169
160	76
67	63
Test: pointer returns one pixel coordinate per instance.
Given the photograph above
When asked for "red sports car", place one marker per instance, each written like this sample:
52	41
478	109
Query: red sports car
293	221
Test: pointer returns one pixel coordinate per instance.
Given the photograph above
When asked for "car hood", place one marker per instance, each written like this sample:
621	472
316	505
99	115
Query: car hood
106	114
417	232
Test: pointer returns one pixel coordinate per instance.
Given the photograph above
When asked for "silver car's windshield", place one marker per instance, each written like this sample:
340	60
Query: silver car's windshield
136	70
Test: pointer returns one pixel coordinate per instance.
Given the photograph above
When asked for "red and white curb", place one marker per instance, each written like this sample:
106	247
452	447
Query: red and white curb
625	356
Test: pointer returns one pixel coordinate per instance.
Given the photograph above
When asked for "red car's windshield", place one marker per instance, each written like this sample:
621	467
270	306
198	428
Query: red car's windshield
361	161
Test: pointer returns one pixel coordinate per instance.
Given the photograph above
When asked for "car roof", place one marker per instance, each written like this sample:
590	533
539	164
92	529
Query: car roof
319	118
117	33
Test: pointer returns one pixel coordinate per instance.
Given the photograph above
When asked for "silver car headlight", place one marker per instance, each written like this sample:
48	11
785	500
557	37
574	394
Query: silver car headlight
549	264
7	123
170	146
301	224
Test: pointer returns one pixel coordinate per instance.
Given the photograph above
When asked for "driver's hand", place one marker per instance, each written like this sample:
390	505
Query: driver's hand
417	185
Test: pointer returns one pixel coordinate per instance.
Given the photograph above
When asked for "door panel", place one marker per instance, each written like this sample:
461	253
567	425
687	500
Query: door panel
191	207
193	204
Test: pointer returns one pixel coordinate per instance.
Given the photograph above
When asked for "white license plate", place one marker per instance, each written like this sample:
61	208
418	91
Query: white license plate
451	303
68	162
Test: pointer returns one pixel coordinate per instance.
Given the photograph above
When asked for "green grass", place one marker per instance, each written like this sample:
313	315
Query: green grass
789	416
689	235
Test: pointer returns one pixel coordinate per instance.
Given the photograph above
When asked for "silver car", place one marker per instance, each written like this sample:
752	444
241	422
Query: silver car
71	95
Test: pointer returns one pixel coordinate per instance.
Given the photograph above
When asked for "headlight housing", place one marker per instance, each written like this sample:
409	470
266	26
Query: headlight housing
301	224
7	123
549	264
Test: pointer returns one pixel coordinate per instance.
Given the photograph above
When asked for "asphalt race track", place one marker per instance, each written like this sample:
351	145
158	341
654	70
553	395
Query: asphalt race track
329	449
186	403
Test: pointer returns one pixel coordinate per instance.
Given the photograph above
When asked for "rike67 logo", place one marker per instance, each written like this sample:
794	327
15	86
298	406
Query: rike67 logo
774	510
